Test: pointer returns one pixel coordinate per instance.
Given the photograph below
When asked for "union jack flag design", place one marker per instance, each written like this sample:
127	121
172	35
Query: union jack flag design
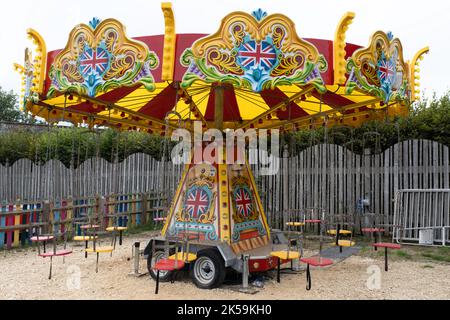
94	61
197	202
386	70
253	54
243	200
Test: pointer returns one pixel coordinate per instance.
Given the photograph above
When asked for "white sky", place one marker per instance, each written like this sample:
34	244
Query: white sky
416	22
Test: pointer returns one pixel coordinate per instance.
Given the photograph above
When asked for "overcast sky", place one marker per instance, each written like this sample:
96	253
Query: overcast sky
416	22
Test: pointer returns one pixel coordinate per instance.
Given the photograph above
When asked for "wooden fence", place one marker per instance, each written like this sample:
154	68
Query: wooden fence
324	176
21	220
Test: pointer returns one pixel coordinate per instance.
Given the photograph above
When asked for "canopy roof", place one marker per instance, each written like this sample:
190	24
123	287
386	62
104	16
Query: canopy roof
255	71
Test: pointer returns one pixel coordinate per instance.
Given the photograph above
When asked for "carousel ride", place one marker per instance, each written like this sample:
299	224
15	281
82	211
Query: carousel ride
255	72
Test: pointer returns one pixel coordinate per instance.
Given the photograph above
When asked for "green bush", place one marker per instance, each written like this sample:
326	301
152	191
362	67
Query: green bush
427	120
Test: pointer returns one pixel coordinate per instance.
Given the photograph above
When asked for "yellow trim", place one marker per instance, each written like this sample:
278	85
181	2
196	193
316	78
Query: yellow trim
258	199
224	197
413	66
339	48
170	40
40	59
175	200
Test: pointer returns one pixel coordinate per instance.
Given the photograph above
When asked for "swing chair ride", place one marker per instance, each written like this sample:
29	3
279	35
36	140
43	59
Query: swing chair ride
255	72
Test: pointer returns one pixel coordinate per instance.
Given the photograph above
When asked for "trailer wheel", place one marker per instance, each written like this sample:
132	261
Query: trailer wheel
208	271
164	276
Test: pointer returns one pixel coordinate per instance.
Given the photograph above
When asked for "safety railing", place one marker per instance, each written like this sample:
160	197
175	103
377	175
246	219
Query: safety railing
422	216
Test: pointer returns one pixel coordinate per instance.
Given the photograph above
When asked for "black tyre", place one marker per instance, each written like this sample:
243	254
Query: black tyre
208	271
164	276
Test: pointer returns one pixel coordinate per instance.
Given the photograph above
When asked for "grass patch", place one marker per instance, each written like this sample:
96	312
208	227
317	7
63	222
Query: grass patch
437	257
141	228
404	255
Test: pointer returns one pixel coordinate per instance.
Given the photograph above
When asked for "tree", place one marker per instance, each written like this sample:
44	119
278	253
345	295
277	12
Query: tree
9	109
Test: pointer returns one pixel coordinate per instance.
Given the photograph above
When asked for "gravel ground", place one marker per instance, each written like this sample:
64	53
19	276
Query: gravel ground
25	276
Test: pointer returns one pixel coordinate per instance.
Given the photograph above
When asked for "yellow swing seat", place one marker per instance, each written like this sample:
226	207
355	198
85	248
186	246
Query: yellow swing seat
112	229
84	238
286	255
107	249
342	232
345	243
295	224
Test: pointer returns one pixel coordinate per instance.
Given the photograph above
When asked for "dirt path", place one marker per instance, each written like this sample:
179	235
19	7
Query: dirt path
24	276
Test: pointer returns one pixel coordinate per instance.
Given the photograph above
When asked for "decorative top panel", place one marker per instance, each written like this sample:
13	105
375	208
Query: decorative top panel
380	69
256	52
99	57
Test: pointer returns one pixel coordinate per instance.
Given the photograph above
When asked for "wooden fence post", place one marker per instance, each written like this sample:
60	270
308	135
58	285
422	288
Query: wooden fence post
144	205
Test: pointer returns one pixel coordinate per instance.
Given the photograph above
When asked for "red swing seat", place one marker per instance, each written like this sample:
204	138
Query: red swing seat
372	230
317	261
169	265
58	253
42	239
387	245
313	221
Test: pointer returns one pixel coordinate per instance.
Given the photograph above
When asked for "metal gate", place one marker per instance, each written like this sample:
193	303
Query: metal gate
422	216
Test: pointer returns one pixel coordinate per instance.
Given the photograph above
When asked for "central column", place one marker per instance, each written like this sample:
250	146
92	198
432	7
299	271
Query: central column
218	107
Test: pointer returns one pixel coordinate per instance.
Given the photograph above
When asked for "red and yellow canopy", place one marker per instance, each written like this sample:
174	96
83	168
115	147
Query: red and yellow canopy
254	72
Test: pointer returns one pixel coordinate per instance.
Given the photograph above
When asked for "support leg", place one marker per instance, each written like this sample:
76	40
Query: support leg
157	282
44	247
386	259
120	238
51	263
96	264
278	270
340	249
85	247
308	278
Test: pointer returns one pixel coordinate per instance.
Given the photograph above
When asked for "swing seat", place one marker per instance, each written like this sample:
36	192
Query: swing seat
345	243
343	232
107	249
286	255
168	265
186	257
112	229
313	221
58	253
295	224
317	261
160	219
394	246
88	226
84	238
42	239
372	230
